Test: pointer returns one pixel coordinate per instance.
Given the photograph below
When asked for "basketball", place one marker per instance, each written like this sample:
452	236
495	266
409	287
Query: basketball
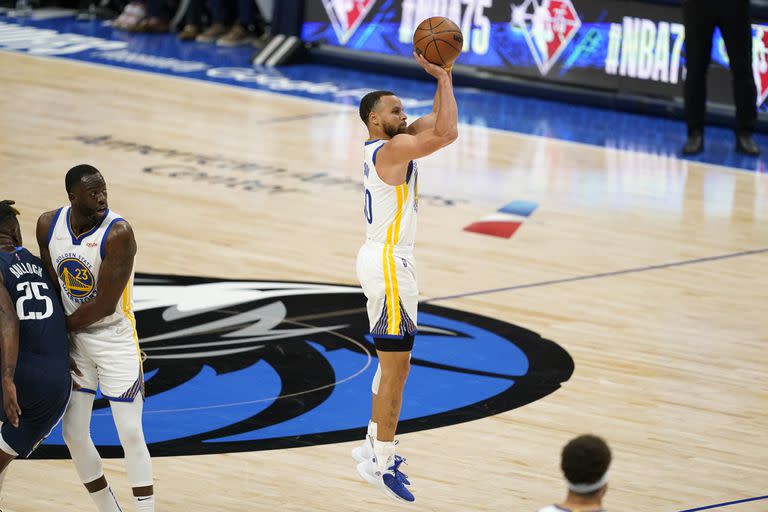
439	40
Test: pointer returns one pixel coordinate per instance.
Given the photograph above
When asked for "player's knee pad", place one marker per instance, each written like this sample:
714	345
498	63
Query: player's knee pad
128	422
138	464
394	344
76	430
76	423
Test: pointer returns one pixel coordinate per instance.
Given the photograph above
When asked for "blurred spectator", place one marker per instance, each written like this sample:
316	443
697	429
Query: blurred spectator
151	16
584	461
193	21
234	23
132	14
159	13
733	18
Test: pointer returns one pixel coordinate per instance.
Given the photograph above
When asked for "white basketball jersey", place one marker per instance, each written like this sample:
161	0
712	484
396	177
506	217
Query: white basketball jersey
390	211
77	260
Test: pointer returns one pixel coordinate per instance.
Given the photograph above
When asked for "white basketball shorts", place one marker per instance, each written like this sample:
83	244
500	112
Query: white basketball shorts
109	358
387	275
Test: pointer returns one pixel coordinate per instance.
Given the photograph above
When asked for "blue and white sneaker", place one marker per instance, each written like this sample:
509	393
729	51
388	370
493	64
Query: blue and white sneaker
393	482
367	470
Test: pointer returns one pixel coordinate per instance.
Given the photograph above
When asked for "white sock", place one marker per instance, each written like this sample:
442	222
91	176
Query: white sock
145	503
372	429
385	454
105	501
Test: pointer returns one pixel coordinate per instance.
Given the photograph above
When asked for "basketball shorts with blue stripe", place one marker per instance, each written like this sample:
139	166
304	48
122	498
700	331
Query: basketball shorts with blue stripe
387	274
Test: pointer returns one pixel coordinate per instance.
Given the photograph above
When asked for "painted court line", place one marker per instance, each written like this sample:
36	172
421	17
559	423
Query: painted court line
602	274
726	504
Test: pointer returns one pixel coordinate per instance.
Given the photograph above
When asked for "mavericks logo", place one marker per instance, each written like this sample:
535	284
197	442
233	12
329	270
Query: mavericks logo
254	365
76	277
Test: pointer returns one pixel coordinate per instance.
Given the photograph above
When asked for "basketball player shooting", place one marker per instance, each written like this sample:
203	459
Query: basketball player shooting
386	266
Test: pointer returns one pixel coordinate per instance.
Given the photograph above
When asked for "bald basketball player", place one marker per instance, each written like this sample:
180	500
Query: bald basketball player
89	251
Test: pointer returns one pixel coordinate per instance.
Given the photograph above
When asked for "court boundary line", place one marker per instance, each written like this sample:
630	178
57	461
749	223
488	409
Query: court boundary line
726	504
587	277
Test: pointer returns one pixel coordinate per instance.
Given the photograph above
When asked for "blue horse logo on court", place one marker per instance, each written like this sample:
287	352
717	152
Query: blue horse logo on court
253	365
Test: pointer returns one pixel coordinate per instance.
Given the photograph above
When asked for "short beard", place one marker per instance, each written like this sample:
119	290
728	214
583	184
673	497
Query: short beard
90	214
392	131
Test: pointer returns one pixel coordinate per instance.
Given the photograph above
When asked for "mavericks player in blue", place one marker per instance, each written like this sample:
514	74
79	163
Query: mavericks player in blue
34	347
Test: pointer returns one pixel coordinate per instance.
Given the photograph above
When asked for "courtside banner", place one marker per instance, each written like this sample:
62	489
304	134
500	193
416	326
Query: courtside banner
613	45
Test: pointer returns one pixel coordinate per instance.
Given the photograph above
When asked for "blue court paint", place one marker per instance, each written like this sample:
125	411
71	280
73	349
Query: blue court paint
519	207
283	388
194	407
165	54
726	504
429	390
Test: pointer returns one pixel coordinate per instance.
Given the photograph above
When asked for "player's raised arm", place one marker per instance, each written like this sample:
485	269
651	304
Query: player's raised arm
9	353
114	273
42	231
405	147
427	122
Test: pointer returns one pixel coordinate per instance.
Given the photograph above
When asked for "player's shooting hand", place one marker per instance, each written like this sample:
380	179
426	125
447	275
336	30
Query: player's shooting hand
10	402
73	367
433	69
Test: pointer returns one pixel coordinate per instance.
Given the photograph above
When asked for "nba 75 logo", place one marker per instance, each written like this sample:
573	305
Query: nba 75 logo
548	26
346	15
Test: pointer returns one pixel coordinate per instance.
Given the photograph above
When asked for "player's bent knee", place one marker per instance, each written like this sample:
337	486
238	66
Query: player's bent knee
73	434
132	437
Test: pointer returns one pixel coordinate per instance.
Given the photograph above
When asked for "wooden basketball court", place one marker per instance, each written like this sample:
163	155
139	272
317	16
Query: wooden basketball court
651	272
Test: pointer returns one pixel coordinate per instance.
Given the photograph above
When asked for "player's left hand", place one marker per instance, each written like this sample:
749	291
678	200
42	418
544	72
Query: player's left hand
10	402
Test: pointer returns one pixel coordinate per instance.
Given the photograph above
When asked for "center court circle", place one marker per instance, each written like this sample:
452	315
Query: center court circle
256	365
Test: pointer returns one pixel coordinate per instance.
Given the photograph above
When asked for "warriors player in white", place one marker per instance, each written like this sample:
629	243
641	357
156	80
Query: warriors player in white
385	264
89	251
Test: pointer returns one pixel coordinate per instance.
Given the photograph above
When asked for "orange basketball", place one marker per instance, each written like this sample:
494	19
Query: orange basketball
439	40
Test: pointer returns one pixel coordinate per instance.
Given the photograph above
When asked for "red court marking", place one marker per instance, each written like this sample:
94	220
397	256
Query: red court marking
501	229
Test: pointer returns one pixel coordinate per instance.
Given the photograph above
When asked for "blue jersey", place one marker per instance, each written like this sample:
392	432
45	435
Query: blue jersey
42	327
